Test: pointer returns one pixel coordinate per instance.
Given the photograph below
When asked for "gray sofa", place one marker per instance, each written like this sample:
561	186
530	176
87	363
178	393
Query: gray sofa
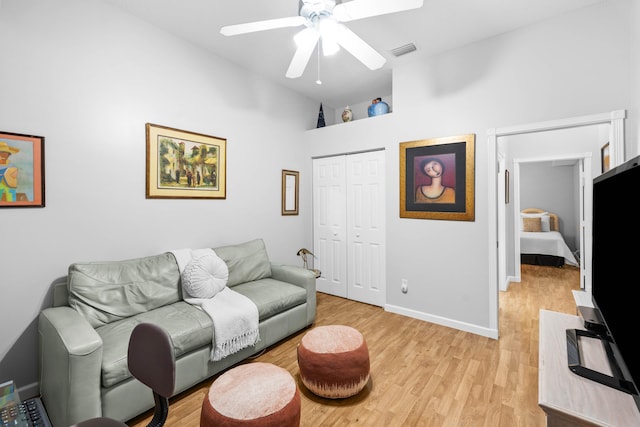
83	338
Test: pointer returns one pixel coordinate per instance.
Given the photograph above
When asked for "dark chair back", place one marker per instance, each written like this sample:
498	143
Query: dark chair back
152	361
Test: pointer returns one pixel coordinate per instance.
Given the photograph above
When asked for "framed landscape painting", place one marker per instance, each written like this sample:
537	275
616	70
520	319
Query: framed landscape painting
437	178
185	165
21	170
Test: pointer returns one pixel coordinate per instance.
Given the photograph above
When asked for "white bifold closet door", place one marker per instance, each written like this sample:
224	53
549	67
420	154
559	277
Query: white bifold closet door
349	225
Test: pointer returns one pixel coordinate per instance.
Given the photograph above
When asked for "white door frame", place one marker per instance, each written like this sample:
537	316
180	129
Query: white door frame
585	205
616	144
502	213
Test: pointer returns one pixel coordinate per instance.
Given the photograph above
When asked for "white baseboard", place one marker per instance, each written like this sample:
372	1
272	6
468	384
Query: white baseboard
467	327
504	286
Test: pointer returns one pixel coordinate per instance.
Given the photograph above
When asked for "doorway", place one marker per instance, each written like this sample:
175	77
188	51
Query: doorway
571	194
496	182
349	225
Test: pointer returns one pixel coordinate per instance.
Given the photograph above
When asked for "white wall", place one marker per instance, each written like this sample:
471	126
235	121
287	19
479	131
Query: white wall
551	187
88	77
573	65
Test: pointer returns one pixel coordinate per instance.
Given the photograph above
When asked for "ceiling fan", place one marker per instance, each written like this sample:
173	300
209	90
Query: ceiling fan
323	21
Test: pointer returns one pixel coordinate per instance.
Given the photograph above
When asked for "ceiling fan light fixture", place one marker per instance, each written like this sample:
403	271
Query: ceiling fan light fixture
328	29
329	47
305	36
315	15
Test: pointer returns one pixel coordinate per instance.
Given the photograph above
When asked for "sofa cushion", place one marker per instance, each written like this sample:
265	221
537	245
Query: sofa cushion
105	292
272	296
189	328
246	261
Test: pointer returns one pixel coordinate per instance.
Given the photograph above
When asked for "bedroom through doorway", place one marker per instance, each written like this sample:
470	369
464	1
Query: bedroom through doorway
559	187
500	159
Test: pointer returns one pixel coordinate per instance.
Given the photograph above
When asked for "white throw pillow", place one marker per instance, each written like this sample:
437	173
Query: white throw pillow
545	225
205	275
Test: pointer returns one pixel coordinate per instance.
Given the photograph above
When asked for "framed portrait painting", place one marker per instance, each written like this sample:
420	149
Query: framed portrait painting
437	178
21	170
185	165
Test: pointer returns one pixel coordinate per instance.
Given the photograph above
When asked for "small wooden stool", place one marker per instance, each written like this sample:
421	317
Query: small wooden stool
252	395
334	361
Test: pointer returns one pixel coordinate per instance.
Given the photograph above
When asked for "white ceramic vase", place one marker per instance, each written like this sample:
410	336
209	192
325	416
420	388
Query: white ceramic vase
347	114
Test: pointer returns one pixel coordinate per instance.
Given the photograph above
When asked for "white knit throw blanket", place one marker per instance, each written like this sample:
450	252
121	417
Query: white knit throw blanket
234	316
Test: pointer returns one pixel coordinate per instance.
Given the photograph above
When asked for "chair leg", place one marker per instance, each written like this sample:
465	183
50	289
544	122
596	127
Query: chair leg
161	411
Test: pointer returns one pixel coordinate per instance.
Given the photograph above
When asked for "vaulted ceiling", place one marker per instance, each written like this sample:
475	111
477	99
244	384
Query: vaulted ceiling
438	26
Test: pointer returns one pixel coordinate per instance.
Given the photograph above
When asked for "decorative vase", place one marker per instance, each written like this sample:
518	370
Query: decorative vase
378	107
321	123
347	114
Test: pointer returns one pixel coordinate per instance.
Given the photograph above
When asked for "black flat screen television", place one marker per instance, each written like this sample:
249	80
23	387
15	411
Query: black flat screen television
616	266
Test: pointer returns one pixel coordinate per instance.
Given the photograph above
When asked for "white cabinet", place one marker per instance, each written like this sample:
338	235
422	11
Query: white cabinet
349	225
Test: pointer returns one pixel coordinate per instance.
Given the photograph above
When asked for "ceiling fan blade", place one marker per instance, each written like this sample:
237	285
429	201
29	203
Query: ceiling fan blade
306	41
359	48
358	9
269	24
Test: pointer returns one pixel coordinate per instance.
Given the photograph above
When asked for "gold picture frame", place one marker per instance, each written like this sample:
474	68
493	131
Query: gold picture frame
185	165
290	190
437	178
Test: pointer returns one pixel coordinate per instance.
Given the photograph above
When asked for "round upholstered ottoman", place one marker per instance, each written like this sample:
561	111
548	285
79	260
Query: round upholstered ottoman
253	394
334	361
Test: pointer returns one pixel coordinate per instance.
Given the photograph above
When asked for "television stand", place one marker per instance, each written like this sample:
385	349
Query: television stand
569	399
616	380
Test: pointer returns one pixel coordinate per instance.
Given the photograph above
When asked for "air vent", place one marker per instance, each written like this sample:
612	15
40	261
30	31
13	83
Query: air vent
403	50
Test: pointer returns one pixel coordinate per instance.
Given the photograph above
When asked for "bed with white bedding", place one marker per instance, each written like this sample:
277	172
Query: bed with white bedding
540	241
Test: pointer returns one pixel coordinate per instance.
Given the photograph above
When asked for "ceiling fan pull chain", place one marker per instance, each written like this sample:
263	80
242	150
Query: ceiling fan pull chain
318	82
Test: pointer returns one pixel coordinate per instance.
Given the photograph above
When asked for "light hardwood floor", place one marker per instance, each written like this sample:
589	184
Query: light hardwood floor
424	374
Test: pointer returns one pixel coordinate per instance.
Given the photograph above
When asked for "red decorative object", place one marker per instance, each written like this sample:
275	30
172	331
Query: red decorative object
252	395
334	361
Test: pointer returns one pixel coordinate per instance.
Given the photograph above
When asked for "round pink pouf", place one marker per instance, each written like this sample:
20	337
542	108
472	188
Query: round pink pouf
254	394
334	361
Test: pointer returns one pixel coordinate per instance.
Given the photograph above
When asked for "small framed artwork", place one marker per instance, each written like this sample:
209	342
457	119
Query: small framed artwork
185	165
21	170
290	188
437	178
604	158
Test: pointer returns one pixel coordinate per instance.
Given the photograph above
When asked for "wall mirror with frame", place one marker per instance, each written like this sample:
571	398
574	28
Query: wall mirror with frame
290	188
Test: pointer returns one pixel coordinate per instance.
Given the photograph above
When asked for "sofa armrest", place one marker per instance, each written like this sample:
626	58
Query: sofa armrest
300	277
70	362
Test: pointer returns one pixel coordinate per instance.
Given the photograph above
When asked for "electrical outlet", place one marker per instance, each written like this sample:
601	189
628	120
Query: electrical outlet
404	286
